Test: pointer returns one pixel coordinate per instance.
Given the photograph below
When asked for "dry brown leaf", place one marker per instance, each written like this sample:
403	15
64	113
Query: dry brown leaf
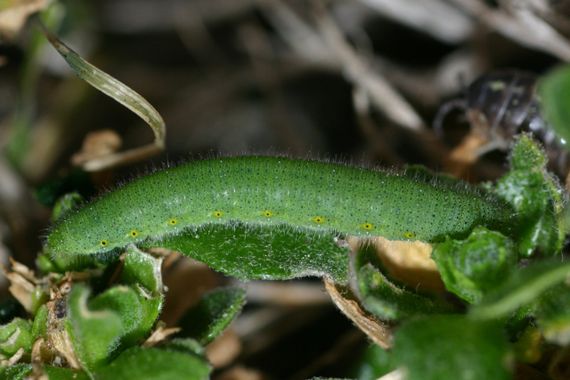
379	332
224	349
22	284
97	144
58	341
14	358
160	333
38	352
23	270
464	155
409	262
21	289
14	14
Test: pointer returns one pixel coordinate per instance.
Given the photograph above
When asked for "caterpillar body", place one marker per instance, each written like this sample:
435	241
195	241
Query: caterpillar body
276	192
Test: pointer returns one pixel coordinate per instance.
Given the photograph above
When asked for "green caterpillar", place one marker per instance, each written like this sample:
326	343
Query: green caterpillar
275	192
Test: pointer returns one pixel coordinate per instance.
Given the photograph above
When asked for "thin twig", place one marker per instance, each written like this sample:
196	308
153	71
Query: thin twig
522	26
286	293
426	16
382	94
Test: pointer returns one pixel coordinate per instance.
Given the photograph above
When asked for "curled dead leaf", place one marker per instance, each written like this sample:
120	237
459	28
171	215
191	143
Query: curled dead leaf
379	332
97	144
23	284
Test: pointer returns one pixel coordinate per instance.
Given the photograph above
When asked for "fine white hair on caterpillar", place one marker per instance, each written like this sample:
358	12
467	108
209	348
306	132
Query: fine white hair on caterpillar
311	196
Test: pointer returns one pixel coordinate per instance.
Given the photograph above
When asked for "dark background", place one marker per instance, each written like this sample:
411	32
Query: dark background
243	77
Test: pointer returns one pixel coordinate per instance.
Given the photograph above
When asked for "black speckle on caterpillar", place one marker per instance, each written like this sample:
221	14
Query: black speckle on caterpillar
273	191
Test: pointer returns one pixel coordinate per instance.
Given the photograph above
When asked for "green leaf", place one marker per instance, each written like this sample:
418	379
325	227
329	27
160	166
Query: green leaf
143	272
451	348
154	364
94	333
374	363
127	305
523	287
185	345
536	198
39	326
389	302
269	252
554	92
15	372
56	373
213	313
142	268
125	312
15	335
471	267
553	314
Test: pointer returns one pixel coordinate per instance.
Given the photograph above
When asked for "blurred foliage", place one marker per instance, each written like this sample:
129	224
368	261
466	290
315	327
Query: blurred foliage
341	81
212	315
536	197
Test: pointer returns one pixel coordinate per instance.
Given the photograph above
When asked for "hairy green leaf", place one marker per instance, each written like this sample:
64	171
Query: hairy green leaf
39	326
213	313
374	363
536	198
471	267
142	268
390	302
125	303
154	364
94	333
15	372
451	348
56	373
15	335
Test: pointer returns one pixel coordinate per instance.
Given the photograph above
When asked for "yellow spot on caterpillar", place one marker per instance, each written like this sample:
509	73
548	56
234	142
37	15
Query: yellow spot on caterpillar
172	221
367	226
134	233
409	235
267	213
319	219
104	243
217	214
